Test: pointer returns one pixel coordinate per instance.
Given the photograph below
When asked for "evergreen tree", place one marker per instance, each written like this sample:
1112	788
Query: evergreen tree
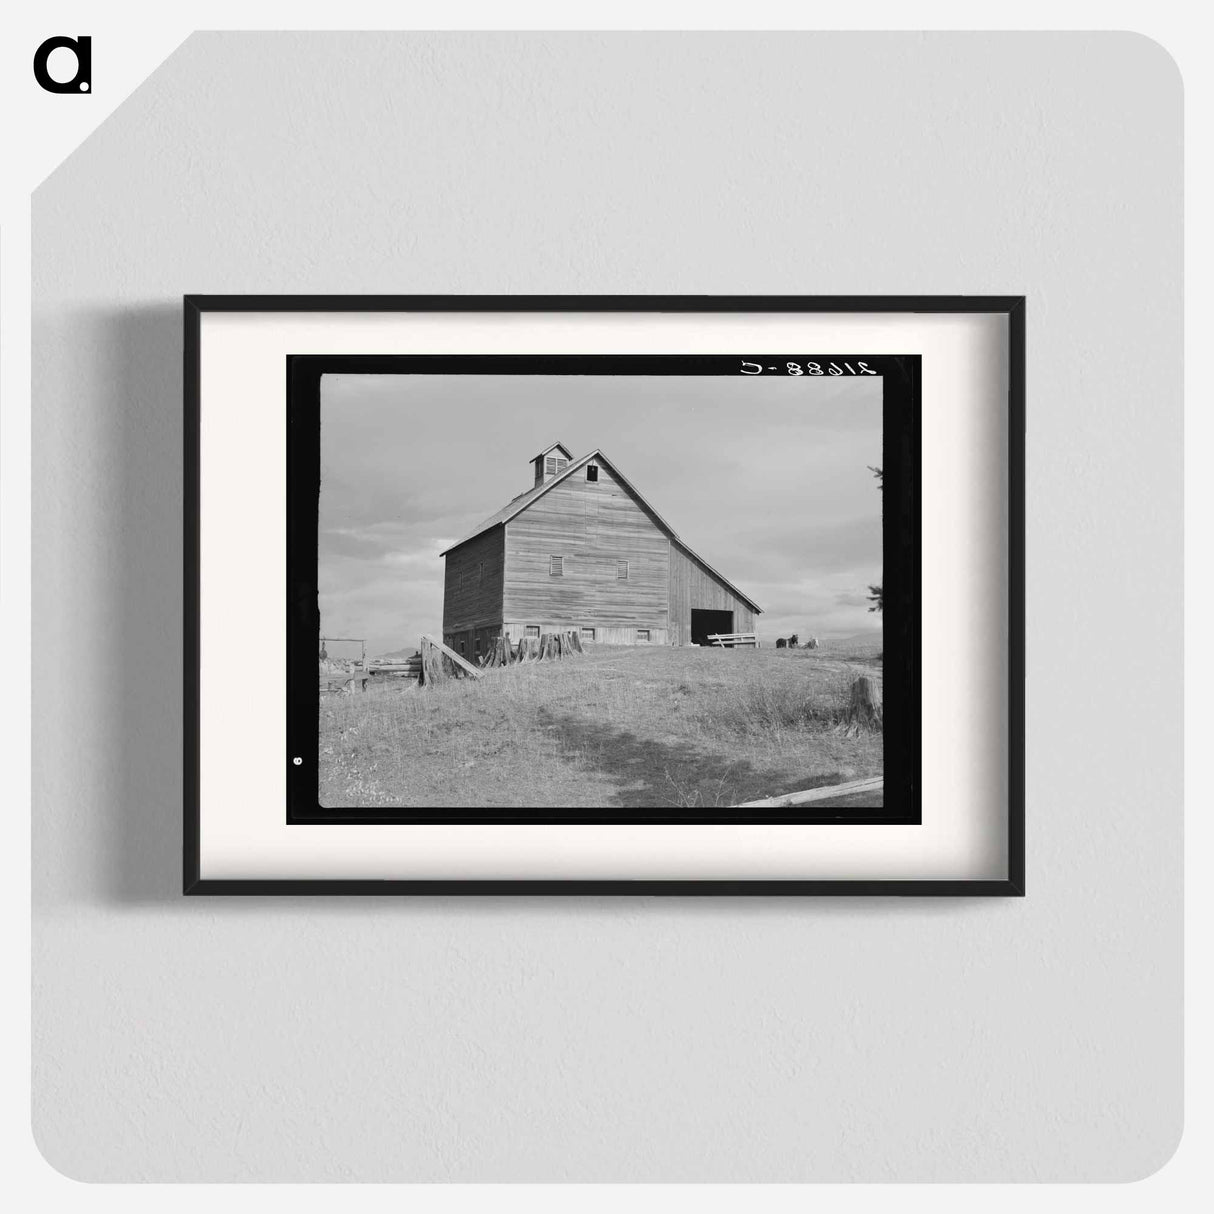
875	595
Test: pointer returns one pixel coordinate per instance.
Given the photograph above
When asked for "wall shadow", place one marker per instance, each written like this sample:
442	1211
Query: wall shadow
108	601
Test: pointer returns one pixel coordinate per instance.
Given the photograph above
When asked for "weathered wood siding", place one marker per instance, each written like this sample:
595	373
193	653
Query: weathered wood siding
472	590
691	585
592	525
603	634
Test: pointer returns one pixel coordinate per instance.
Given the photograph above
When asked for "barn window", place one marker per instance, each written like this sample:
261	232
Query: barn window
592	472
531	630
621	570
642	634
587	634
561	464
556	566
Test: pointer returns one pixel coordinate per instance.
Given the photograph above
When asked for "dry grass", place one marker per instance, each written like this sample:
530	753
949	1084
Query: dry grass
616	728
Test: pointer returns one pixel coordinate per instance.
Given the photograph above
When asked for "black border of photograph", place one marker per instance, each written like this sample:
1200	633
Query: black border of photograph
900	379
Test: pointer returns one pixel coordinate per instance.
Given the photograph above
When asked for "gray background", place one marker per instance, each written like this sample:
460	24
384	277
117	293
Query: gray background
633	1039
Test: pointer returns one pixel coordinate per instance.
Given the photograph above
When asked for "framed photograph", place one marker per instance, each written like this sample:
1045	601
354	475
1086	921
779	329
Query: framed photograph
686	595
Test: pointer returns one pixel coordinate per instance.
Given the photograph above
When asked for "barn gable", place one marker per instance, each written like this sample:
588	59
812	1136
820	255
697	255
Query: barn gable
587	551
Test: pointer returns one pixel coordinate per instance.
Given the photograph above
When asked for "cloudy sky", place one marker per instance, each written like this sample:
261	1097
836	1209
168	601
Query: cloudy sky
766	478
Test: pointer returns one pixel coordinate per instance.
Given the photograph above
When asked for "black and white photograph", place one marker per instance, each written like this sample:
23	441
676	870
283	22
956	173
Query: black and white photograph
600	588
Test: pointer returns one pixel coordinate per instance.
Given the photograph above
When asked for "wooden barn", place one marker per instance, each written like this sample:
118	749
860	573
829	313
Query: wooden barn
582	549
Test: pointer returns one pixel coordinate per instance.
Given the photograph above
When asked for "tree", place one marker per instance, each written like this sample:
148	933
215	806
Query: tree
875	595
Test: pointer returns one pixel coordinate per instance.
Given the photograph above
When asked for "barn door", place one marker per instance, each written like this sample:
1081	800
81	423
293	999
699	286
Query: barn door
705	623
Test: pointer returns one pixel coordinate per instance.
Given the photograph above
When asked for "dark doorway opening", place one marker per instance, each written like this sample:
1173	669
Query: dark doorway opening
704	622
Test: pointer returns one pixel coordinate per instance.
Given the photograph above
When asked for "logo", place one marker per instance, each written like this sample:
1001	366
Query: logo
82	81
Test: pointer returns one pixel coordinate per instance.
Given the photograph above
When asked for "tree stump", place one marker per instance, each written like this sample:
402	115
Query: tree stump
864	710
432	670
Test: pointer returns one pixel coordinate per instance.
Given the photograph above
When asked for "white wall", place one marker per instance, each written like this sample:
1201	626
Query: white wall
625	1039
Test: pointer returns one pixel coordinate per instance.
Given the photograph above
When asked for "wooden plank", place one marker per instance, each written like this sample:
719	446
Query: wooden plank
460	662
817	794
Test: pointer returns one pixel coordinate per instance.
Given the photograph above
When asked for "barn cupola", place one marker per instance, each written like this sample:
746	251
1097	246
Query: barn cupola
550	462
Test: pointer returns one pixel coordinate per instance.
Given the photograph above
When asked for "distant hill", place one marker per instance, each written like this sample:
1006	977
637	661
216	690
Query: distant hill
397	653
858	642
857	638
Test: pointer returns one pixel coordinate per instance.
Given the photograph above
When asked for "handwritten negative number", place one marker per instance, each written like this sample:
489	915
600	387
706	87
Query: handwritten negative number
810	368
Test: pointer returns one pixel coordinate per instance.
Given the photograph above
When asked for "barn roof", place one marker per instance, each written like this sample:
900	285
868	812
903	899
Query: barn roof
553	447
520	503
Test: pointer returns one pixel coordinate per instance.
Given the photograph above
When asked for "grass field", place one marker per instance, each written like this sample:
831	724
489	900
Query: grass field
618	727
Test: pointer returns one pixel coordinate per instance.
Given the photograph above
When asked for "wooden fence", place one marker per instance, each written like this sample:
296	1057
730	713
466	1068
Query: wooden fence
408	669
723	640
342	677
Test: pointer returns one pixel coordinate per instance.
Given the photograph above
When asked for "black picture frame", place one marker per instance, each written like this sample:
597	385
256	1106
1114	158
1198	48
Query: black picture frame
303	469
